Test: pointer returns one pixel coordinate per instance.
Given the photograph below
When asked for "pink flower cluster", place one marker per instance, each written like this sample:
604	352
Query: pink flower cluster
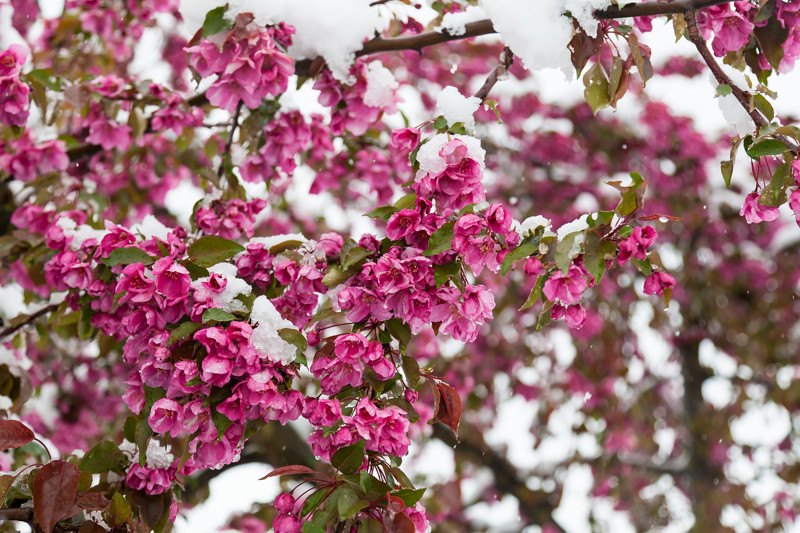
459	184
25	160
285	136
303	284
481	248
753	212
635	246
14	95
351	353
229	219
565	290
248	63
384	430
349	111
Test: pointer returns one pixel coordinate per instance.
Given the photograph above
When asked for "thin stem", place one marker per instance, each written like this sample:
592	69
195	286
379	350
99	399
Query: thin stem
506	60
229	142
22	515
13	329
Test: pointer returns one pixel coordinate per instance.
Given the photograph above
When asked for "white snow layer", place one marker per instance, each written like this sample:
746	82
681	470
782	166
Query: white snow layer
150	227
333	29
454	23
381	86
455	107
226	300
538	32
265	337
430	161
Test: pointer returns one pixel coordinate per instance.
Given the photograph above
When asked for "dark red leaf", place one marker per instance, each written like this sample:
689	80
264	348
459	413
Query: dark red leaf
400	523
447	405
291	470
54	490
91	527
93	501
14	434
394	504
656	217
151	507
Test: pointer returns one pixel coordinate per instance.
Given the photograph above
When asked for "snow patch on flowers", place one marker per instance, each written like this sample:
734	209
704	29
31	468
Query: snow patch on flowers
528	226
265	337
150	227
430	161
571	227
274	240
158	456
455	107
226	300
381	86
334	30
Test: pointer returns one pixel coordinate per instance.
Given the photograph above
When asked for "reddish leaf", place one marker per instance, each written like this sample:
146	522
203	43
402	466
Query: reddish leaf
14	434
151	507
54	490
93	501
447	405
91	527
394	504
291	470
400	523
656	217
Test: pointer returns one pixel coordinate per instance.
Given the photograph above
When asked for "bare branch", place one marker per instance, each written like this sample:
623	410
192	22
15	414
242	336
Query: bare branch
229	142
507	60
13	329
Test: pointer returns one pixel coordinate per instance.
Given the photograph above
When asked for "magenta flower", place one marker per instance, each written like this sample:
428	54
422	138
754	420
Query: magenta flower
498	219
172	280
658	282
566	288
753	212
732	31
165	415
573	315
406	139
402	223
136	285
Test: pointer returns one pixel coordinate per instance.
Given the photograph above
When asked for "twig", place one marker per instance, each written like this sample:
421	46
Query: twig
13	329
15	513
507	59
229	142
648	9
694	35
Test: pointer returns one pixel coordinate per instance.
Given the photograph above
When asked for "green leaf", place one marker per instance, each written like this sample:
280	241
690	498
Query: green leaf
295	338
643	266
525	249
774	194
724	89
349	503
349	459
409	496
411	370
185	329
383	213
726	167
565	251
766	147
440	123
595	253
102	458
313	501
221	422
334	276
311	527
400	331
218	315
354	255
443	273
763	105
441	240
285	245
406	202
536	293
215	21
211	250
128	256
118	512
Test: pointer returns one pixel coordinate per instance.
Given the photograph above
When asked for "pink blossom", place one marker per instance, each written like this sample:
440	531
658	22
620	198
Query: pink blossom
498	219
150	480
573	315
406	139
566	288
732	31
165	415
172	279
136	284
658	282
753	212
402	223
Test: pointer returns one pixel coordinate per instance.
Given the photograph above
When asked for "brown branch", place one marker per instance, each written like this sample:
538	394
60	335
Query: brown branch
507	60
13	329
18	514
229	141
536	506
743	97
649	9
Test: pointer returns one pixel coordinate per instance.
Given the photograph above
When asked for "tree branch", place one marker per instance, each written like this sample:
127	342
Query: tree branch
16	513
648	9
694	35
229	141
507	59
13	329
